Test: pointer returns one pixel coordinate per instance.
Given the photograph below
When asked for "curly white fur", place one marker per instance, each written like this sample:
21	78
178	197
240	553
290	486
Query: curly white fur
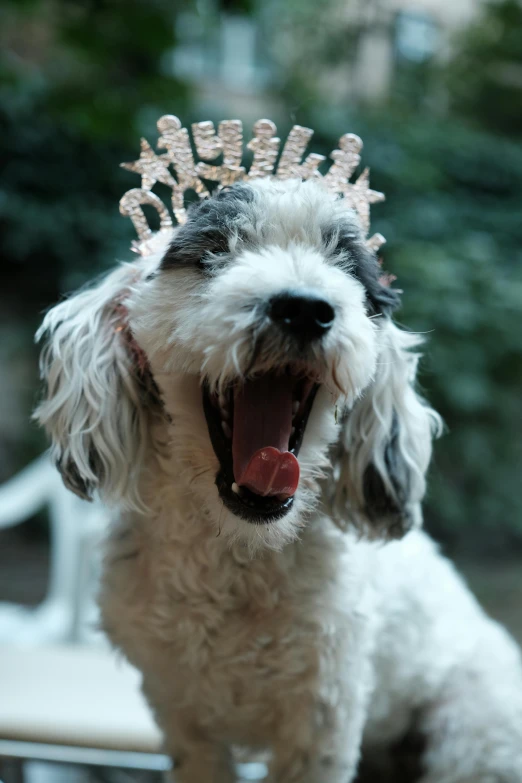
299	636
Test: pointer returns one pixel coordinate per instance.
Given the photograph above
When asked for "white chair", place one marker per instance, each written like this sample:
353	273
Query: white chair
74	704
64	695
75	529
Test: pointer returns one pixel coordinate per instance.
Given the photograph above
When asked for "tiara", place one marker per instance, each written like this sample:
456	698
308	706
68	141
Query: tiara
221	156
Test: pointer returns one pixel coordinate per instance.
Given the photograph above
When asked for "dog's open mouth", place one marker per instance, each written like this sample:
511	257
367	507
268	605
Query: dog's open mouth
256	428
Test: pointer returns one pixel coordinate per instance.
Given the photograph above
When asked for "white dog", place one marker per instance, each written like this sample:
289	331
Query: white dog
245	399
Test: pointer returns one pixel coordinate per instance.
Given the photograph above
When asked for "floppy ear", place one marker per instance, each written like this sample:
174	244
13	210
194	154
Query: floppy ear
94	408
385	445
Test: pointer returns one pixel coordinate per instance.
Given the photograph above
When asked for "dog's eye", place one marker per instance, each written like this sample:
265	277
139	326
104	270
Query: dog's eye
195	258
196	249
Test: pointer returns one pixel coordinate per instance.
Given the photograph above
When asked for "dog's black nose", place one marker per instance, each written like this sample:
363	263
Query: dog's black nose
302	315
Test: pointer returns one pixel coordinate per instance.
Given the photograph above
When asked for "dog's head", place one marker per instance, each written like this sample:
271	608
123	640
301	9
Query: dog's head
260	344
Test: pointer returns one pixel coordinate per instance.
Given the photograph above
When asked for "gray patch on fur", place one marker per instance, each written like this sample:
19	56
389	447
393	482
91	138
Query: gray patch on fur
347	239
210	226
383	511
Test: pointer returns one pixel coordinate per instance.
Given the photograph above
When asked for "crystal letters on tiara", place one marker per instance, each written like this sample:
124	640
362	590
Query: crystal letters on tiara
227	143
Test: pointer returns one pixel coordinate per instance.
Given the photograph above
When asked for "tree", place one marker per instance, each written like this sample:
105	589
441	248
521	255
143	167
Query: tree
485	77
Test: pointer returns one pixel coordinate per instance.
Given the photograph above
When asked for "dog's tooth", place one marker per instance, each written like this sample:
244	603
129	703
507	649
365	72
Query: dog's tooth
292	432
226	429
296	406
235	488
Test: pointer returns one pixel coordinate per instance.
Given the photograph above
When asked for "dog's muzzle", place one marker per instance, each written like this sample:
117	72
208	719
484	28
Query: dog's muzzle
257	424
256	428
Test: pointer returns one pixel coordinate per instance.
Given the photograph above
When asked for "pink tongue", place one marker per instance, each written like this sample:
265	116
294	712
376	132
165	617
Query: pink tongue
261	433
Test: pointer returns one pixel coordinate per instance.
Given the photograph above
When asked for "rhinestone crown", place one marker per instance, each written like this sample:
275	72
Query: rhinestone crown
221	156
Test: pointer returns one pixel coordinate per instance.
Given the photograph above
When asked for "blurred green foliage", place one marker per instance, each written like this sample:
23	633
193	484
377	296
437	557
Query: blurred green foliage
455	243
485	79
80	81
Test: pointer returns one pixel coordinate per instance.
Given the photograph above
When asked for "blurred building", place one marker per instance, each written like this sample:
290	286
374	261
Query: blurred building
414	31
237	59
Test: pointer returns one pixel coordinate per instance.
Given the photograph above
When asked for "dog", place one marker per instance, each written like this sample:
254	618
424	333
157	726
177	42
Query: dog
245	401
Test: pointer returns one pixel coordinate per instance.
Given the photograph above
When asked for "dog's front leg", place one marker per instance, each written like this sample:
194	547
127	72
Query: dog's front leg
322	746
331	757
322	717
202	762
196	756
